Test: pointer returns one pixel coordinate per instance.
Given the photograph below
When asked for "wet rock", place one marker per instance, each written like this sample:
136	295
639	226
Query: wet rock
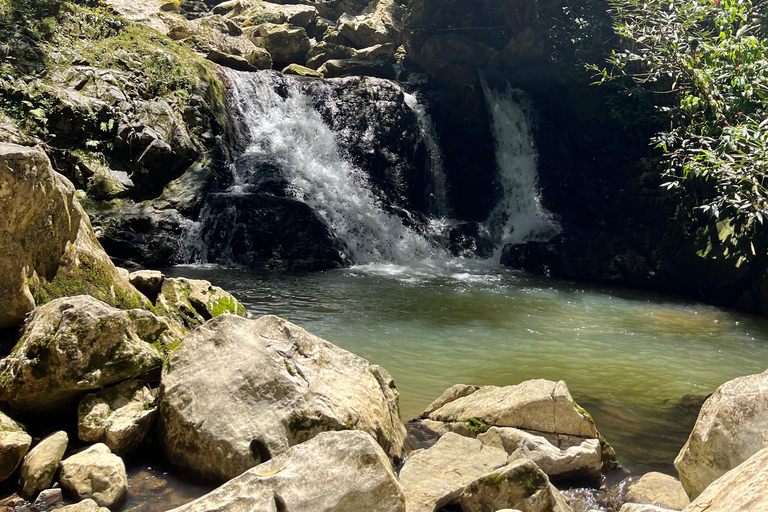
379	23
295	69
333	472
48	499
357	67
231	61
78	344
324	51
83	506
96	474
41	463
287	44
658	489
741	489
50	249
195	301
275	386
578	461
436	477
14	444
467	240
522	484
120	416
731	427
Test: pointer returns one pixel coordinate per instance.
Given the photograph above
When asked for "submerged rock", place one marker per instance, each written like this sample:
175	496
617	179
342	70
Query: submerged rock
436	477
333	472
274	386
77	344
731	427
41	463
658	489
14	444
120	416
95	474
50	250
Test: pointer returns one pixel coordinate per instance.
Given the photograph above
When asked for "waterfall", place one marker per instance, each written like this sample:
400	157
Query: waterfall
437	202
519	216
282	129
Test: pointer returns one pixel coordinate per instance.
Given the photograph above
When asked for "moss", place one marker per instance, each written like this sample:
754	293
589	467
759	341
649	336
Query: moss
583	412
223	305
50	468
494	479
475	425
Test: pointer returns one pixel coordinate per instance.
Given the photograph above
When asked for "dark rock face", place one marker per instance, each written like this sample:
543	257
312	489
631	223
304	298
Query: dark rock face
467	240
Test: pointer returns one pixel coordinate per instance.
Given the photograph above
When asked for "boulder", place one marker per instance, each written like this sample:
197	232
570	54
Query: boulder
522	485
540	407
323	52
295	69
83	506
275	386
333	472
41	463
195	301
14	444
449	395
148	282
731	427
48	499
578	461
379	23
287	44
77	344
742	489
357	67
658	489
96	474
436	477
231	61
638	507
267	12
120	416
50	250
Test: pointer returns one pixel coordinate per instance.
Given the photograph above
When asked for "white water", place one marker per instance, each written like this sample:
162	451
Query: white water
438	185
520	214
289	133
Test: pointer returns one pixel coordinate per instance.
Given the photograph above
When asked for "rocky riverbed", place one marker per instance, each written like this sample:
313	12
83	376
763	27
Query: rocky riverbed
283	420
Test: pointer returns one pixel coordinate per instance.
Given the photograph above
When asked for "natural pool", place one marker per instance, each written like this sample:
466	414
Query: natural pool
640	363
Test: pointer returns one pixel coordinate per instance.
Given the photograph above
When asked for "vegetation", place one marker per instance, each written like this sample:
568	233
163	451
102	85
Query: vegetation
705	64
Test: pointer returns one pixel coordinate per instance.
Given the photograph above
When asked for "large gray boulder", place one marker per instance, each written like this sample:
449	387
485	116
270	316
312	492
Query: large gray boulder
286	43
731	427
436	477
379	23
274	385
582	459
658	489
268	12
522	485
742	489
333	472
540	407
14	444
120	416
41	463
49	249
77	344
97	474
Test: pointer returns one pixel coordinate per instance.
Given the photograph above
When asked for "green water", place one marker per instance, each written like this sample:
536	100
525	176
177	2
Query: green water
640	363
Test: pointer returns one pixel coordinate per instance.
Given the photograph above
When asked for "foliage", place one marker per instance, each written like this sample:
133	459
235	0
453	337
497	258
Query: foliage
705	62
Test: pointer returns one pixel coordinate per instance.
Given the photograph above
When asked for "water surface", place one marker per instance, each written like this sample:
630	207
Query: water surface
640	363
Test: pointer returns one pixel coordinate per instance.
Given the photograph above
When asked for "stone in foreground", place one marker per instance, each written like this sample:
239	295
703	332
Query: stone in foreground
731	427
641	507
41	464
238	392
522	485
83	506
97	474
658	489
580	460
742	489
435	477
14	444
77	344
333	472
120	416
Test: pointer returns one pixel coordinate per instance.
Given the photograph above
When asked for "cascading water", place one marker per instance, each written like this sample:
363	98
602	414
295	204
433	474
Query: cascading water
519	216
437	203
286	132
